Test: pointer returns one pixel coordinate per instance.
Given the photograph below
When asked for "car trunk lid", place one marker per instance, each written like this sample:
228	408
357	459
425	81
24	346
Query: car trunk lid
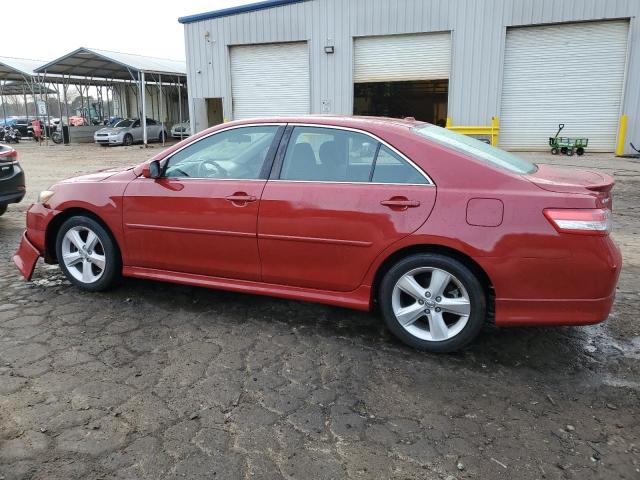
574	181
570	180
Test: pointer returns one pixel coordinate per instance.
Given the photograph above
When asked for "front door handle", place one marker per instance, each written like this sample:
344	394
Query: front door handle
240	197
400	202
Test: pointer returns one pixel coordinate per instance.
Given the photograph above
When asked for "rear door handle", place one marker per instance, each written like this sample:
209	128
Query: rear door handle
241	198
400	203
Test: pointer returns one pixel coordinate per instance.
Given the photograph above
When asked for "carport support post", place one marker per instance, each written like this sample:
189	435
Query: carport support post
180	106
61	123
143	120
66	101
109	105
160	107
24	96
4	108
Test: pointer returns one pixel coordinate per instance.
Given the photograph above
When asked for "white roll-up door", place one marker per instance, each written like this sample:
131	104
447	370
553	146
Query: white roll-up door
396	58
270	80
569	73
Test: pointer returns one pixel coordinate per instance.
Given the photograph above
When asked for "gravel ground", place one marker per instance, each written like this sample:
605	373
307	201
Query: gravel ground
162	381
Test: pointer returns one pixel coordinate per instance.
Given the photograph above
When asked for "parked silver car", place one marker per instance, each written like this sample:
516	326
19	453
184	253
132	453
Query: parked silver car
129	131
181	130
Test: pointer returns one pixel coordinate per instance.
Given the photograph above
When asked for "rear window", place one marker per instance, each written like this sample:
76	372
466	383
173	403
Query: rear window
476	149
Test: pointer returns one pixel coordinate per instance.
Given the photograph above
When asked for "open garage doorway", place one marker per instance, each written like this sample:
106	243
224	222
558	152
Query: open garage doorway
425	100
214	112
402	76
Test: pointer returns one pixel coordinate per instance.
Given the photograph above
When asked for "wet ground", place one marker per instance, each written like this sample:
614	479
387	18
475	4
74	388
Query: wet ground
161	381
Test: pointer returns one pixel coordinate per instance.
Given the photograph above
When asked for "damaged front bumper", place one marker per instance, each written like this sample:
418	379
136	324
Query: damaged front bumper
26	257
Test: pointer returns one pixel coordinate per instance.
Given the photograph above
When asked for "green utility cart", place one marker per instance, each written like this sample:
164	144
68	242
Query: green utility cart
566	145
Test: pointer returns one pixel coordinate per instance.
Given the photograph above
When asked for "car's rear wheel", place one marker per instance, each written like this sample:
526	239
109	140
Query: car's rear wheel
432	302
127	140
87	254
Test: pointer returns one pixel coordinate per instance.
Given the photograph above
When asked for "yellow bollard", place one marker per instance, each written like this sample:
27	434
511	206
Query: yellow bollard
495	129
622	135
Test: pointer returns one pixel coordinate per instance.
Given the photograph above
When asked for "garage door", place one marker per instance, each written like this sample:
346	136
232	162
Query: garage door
397	58
571	74
270	80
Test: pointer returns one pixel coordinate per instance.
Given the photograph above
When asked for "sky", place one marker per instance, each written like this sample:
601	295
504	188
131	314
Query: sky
49	29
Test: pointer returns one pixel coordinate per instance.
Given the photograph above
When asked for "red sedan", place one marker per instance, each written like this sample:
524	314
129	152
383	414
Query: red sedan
442	232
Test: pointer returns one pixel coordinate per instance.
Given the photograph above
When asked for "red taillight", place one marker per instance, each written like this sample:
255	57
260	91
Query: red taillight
580	221
10	155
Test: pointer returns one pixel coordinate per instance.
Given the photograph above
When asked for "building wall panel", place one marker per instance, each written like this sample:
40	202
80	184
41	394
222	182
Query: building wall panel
478	35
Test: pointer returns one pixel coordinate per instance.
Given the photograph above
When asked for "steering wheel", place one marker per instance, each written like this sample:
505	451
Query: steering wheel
207	167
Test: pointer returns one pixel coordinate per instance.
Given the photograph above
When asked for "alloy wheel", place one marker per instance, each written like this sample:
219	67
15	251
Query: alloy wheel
83	254
431	304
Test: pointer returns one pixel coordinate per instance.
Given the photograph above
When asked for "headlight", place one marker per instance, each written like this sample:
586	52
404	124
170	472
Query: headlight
45	196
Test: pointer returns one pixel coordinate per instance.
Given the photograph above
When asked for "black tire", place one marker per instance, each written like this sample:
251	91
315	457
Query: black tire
580	151
56	138
563	150
161	135
475	291
3	209
127	140
113	264
570	152
555	151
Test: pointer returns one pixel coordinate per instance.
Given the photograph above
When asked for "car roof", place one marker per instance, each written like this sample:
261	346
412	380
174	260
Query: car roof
363	123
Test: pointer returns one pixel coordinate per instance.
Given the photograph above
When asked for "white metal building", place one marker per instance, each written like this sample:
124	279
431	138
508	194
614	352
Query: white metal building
531	63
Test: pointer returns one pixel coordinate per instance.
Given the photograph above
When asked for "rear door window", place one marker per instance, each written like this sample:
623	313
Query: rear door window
328	155
321	154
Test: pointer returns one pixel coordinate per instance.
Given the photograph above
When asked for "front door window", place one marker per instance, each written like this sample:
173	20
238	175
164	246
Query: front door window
237	154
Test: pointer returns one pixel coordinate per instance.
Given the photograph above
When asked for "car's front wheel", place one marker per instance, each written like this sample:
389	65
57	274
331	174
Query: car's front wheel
127	140
432	302
87	254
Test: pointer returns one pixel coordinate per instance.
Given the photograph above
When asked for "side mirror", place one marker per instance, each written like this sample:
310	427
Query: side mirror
151	169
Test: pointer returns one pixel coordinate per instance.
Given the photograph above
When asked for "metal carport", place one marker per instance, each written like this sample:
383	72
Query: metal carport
121	68
17	74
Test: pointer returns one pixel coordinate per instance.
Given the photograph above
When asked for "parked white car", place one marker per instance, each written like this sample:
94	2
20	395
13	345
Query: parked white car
128	132
181	130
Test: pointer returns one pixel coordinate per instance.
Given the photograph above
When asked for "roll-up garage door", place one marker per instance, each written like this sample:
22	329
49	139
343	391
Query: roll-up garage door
571	74
397	58
270	80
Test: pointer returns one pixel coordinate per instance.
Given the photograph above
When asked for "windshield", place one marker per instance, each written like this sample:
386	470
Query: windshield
476	149
123	123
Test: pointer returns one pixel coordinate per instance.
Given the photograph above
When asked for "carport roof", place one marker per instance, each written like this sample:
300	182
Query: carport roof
18	68
252	7
21	87
94	63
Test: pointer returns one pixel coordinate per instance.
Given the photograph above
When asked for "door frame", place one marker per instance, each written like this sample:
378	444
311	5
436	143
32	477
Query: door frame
276	169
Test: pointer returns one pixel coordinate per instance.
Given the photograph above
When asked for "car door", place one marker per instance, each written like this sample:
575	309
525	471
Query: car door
201	216
153	129
336	200
136	131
